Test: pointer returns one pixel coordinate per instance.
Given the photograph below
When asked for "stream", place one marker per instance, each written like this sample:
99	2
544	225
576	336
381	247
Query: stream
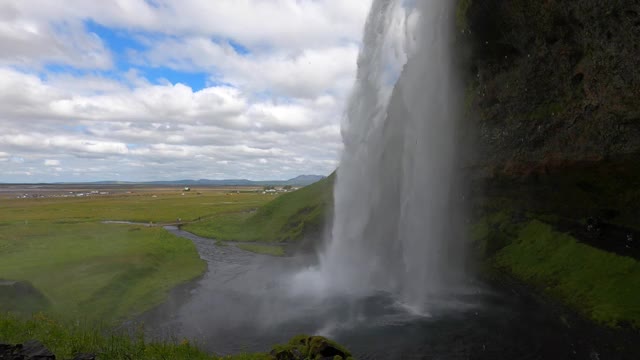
243	304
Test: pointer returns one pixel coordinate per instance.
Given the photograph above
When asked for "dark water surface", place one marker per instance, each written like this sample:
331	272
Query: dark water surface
243	304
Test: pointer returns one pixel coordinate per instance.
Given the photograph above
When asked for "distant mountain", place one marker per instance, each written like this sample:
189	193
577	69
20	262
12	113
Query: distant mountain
302	180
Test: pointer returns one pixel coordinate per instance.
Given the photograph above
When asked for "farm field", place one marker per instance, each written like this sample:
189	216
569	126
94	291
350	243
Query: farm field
82	268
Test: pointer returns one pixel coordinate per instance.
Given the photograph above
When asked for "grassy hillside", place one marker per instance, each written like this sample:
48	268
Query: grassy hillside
289	217
603	286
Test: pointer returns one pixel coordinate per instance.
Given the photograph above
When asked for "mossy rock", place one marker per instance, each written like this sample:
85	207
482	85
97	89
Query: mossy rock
304	347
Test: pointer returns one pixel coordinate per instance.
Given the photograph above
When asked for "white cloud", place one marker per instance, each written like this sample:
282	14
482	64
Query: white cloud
200	134
305	73
273	112
277	23
27	41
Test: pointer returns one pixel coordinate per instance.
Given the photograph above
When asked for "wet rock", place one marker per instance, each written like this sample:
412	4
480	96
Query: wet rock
10	352
34	350
31	350
84	356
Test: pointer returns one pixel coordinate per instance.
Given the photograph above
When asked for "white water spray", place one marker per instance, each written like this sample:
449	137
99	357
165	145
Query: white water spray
395	225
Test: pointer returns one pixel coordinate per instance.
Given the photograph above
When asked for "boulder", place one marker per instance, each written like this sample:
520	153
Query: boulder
10	352
34	350
30	350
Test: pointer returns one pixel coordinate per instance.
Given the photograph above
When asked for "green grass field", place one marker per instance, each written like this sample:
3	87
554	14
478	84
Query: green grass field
289	217
94	271
167	206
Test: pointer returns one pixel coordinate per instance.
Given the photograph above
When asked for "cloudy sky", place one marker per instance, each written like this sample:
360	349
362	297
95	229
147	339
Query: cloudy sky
173	89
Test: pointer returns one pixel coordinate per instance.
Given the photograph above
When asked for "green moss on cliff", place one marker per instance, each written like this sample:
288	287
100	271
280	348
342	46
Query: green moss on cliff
461	14
603	286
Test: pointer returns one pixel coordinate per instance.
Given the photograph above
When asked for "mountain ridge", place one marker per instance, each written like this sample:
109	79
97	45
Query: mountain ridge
300	180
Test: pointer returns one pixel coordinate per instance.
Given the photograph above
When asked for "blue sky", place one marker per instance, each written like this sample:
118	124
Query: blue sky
171	89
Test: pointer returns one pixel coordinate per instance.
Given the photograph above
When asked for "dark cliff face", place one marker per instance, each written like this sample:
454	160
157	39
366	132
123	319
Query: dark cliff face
552	82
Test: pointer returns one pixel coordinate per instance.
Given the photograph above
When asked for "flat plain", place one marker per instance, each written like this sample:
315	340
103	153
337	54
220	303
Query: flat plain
55	239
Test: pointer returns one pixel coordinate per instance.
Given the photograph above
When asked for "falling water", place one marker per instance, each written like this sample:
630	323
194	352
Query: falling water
395	225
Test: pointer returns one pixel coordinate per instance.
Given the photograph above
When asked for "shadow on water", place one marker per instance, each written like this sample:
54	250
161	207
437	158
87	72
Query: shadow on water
243	304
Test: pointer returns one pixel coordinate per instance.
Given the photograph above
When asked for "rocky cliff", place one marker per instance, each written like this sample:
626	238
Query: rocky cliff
552	82
553	92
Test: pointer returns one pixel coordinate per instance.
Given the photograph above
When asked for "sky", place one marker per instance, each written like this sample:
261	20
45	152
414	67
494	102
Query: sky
138	90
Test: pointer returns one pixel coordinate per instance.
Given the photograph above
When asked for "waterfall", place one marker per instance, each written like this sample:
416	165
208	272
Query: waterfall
396	225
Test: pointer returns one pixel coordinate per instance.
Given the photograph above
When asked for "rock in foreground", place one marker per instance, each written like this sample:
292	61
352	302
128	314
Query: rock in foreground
305	347
31	350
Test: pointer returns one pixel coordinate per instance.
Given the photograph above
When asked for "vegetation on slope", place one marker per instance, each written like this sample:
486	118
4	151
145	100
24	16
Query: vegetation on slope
288	217
604	287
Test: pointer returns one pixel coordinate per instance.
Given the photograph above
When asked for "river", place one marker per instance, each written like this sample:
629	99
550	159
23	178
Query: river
242	304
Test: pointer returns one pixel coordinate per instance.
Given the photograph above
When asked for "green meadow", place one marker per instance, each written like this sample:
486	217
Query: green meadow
89	270
287	218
